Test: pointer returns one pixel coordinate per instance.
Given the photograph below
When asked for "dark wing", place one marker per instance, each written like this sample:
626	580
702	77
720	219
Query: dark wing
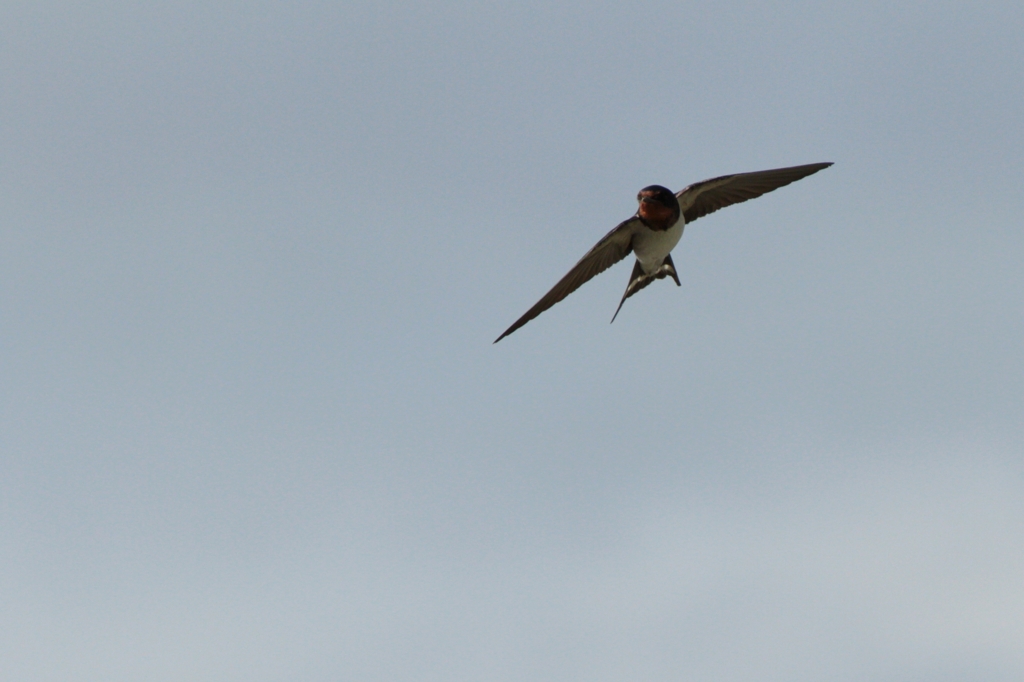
612	248
707	196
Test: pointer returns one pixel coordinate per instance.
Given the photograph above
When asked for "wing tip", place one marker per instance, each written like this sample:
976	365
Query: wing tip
808	168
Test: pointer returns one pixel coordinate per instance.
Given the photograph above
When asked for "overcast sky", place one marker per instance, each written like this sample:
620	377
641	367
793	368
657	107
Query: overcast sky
253	427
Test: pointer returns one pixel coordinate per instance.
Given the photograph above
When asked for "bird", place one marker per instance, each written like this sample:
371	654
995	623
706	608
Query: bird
657	226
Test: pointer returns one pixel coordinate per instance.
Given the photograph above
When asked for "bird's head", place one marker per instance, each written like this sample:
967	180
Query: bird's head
659	208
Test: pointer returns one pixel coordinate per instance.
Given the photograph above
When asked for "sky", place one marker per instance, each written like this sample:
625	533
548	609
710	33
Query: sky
253	257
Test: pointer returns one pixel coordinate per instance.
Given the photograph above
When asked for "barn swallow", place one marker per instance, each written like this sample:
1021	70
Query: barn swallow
656	228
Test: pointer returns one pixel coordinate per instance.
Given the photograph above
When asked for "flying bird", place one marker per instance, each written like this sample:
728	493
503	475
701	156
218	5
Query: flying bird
656	228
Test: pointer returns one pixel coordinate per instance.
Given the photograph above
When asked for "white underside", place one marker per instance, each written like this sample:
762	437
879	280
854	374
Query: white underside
651	247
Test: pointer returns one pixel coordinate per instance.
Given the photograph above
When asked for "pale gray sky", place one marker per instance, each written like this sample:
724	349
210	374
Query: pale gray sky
252	259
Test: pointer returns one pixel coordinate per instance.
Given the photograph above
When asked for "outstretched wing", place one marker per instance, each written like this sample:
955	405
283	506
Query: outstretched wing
707	196
612	248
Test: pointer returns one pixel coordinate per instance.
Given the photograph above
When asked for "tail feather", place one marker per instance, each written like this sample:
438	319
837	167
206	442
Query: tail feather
640	279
